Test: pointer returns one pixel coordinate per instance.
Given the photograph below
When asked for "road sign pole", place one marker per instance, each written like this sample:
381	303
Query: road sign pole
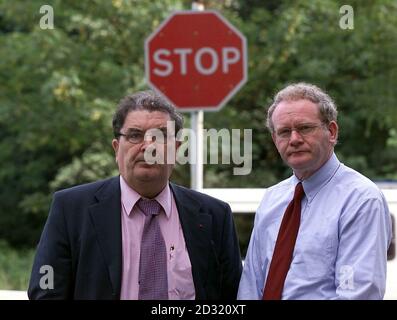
196	164
197	125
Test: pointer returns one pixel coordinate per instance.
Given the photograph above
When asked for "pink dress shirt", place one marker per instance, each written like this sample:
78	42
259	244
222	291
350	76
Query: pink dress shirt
179	269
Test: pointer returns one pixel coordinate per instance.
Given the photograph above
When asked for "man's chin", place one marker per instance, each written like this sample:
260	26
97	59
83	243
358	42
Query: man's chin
298	160
146	178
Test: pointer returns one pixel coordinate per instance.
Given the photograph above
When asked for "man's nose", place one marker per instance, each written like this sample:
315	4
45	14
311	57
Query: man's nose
147	141
295	137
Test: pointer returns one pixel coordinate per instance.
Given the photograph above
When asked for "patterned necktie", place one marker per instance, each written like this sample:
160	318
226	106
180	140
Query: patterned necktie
284	248
153	282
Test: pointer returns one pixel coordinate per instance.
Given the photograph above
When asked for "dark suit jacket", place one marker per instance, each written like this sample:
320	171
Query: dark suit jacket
81	241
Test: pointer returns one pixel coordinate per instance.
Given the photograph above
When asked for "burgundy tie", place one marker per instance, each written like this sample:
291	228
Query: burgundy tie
153	282
282	255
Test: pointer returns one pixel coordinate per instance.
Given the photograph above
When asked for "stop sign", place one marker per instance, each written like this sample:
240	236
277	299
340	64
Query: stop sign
197	59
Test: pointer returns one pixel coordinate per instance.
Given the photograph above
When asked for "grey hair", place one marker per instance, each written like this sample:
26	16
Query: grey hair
306	91
144	100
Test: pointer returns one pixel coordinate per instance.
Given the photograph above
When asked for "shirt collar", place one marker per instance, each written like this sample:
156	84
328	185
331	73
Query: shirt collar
129	197
314	183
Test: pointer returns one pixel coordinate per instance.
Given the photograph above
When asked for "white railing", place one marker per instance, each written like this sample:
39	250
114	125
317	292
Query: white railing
246	200
13	295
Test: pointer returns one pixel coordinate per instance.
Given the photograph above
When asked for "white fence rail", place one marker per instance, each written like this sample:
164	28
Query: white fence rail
246	200
13	295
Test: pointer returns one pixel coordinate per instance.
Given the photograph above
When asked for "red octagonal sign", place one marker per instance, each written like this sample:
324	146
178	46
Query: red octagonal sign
198	60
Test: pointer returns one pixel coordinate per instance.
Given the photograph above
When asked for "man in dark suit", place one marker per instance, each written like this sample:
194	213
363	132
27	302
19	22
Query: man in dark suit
138	236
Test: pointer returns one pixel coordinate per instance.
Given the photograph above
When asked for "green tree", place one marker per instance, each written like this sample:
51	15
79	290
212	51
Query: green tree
59	89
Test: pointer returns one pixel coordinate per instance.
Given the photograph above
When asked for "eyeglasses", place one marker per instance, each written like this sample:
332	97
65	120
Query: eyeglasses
135	136
303	130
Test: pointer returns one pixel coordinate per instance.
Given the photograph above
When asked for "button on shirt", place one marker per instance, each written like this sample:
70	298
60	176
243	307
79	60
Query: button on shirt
180	279
341	247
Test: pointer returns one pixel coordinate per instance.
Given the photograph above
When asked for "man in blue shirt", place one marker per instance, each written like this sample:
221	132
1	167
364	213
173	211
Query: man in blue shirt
340	250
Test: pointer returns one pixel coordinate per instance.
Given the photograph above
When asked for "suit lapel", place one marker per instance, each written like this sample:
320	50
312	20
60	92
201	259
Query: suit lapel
196	226
106	219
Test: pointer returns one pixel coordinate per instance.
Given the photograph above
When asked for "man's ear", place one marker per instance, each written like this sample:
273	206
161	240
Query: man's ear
115	145
333	130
